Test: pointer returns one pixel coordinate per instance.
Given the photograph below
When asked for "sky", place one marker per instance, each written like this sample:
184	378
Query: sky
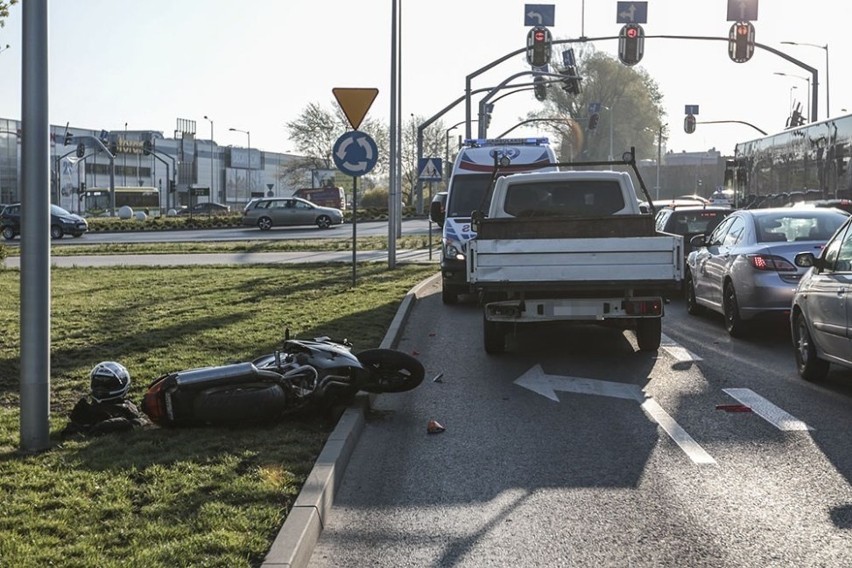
255	65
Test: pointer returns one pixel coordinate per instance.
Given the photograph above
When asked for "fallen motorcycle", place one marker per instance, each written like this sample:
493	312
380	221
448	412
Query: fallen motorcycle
301	374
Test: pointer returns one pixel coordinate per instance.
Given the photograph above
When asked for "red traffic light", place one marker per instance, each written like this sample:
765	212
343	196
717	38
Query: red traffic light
742	30
631	32
539	35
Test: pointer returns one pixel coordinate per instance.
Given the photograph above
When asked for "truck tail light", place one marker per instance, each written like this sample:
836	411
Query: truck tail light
643	307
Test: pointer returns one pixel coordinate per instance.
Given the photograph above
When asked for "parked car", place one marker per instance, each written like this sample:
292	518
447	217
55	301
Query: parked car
207	208
690	220
745	269
61	222
820	316
269	212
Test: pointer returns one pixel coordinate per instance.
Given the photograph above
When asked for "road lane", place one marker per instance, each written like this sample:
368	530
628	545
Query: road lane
519	478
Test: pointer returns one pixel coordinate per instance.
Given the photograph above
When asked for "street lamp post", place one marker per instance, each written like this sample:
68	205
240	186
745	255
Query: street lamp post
248	170
792	88
212	188
124	151
824	47
802	77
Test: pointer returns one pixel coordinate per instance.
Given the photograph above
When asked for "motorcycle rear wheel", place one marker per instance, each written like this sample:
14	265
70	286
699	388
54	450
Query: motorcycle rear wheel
233	404
390	371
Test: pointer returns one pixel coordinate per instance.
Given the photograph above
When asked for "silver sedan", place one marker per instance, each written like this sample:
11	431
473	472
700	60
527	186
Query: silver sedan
745	269
287	211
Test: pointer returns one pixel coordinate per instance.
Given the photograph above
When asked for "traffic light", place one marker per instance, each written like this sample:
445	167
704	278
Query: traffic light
81	150
147	147
489	108
631	44
571	82
593	120
540	88
172	186
741	42
69	138
689	124
82	187
538	46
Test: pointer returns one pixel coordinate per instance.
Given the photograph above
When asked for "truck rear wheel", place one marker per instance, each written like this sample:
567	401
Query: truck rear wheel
649	331
494	336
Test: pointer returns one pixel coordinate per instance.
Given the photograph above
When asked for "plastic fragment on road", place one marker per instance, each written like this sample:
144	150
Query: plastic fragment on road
434	427
733	407
439	378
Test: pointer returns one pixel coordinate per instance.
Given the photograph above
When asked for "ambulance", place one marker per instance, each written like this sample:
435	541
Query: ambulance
469	191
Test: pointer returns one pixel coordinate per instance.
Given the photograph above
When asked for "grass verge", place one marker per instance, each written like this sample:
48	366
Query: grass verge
323	245
160	497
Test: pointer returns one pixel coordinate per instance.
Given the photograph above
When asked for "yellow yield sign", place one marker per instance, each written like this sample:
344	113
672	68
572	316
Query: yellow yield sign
355	103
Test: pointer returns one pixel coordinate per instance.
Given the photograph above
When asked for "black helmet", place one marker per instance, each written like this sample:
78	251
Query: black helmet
110	380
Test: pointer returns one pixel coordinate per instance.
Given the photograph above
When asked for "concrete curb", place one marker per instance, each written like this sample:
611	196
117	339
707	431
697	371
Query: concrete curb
295	542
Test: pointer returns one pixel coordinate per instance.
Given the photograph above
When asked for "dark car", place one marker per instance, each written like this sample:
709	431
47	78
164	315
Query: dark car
61	222
207	208
820	317
745	269
690	220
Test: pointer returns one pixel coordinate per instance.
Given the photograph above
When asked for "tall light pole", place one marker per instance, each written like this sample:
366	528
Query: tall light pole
124	151
248	171
792	87
802	77
212	178
824	47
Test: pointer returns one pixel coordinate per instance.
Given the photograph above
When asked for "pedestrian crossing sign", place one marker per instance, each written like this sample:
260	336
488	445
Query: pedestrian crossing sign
430	169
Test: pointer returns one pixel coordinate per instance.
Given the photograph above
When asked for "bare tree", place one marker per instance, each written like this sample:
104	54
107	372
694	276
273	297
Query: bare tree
4	10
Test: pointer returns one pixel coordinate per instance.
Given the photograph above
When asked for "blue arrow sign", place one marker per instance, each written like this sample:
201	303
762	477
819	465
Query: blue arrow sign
539	15
355	153
631	13
690	109
429	169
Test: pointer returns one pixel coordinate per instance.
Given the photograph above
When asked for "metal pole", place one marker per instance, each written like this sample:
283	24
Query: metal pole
212	175
659	157
610	131
393	142
827	89
35	236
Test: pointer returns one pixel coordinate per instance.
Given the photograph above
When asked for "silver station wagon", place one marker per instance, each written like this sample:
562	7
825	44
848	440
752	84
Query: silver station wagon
289	211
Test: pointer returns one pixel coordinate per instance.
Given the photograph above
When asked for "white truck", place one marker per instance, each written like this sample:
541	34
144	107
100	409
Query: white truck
572	246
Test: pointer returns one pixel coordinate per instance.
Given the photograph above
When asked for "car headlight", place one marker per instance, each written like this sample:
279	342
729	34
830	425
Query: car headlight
453	251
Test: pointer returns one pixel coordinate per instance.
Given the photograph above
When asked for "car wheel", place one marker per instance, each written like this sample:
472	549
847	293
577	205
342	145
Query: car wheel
811	367
448	294
56	232
323	221
8	233
692	306
264	223
733	322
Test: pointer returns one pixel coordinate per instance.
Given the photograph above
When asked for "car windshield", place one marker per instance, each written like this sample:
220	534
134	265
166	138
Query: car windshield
57	210
804	226
468	194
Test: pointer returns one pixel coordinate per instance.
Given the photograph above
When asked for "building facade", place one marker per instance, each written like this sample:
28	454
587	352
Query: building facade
184	168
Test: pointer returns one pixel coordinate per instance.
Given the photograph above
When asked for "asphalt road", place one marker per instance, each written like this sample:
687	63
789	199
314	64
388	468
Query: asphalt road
575	449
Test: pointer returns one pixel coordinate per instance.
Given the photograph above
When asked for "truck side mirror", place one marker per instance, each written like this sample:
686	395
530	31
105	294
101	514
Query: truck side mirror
476	220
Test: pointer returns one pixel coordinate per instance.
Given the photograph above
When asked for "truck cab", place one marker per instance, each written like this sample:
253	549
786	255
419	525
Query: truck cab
470	183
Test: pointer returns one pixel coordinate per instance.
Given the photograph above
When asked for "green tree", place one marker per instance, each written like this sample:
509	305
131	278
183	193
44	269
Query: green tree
4	10
631	109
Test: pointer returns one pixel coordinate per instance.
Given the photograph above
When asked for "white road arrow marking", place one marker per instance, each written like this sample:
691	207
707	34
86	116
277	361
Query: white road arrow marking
766	410
546	385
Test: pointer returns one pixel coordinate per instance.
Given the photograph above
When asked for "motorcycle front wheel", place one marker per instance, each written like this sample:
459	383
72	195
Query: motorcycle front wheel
390	371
